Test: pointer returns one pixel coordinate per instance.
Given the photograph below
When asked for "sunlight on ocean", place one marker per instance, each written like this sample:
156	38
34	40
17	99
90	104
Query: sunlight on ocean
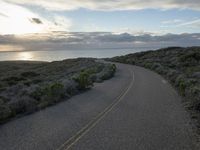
64	54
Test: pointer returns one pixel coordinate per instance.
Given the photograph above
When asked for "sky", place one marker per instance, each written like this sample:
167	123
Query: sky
76	24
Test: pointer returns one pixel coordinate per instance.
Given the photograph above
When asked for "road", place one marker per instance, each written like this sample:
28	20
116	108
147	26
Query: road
135	110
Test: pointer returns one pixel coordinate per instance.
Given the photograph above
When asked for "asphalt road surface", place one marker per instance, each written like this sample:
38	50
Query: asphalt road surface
135	110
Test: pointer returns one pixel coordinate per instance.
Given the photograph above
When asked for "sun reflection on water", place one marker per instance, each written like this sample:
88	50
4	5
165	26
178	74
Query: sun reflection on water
25	56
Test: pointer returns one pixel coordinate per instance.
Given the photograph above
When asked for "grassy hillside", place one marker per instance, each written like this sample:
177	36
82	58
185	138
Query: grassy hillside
26	87
181	66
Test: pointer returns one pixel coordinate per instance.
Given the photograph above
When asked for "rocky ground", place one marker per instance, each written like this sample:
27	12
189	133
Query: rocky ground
180	66
26	87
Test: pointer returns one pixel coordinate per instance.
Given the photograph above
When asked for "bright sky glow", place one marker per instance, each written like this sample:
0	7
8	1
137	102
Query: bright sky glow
155	16
30	24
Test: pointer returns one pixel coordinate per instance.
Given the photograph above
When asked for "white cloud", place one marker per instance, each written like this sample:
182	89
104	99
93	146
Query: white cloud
16	19
195	23
61	23
174	21
109	5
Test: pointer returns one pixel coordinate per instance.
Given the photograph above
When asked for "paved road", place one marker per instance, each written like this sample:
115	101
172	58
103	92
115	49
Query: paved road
136	110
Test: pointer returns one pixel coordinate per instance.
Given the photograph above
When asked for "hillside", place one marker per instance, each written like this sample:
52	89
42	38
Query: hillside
27	86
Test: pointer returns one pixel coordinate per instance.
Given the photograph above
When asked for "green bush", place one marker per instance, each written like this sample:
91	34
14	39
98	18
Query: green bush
130	61
180	83
113	67
95	69
108	72
148	65
83	80
49	94
55	91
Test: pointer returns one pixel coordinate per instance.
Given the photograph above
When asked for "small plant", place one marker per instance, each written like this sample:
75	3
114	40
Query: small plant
147	65
37	93
55	91
195	90
182	86
108	72
83	80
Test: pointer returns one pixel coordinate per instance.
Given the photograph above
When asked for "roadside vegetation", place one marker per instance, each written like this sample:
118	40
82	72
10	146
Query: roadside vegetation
181	66
26	87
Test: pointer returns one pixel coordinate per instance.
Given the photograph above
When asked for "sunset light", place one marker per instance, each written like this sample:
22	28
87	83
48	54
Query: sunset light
18	20
100	74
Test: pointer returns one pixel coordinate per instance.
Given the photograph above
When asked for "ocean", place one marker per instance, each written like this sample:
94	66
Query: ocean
65	54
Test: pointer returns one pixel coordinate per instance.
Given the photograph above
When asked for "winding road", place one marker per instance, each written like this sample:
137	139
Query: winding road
135	110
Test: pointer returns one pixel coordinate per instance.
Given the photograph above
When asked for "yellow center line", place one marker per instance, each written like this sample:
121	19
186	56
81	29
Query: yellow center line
71	141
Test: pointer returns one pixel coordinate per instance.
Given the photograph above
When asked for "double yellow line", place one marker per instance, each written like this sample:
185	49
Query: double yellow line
75	138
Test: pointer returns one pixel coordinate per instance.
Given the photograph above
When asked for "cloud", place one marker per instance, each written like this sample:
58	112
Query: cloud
177	23
110	5
17	19
92	40
36	20
3	15
193	23
174	21
61	23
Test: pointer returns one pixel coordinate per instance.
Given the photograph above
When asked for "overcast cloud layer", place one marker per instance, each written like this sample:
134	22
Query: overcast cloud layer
80	40
108	5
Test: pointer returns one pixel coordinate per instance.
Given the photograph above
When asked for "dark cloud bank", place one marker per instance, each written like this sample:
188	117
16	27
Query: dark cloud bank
84	40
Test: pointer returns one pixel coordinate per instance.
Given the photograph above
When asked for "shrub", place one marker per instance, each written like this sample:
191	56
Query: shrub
192	55
23	105
195	90
5	112
130	61
55	91
49	94
83	80
180	83
13	80
107	72
3	99
37	93
27	90
182	86
2	87
113	67
95	69
29	74
147	65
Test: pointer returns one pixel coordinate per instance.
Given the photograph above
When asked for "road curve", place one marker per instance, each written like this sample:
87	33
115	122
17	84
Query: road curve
137	109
